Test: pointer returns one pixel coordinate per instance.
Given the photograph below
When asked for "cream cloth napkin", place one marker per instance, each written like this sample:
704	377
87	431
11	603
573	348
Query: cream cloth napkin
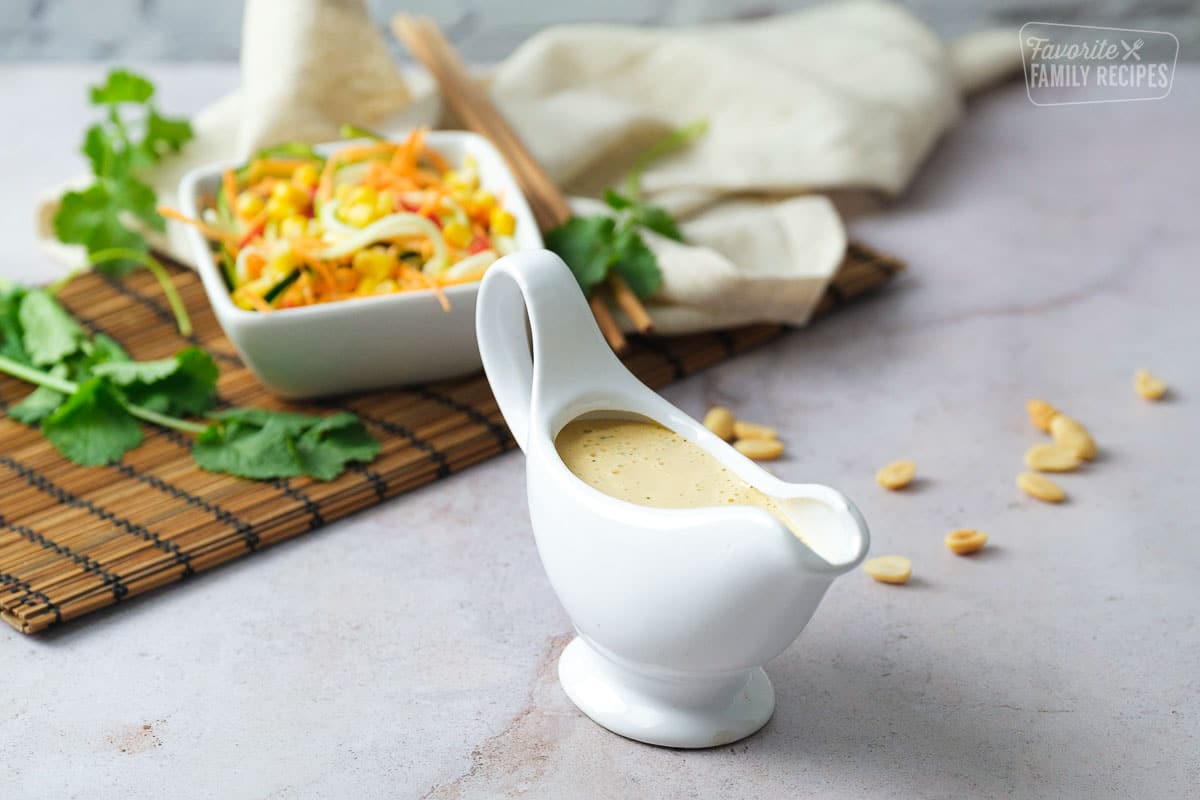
849	96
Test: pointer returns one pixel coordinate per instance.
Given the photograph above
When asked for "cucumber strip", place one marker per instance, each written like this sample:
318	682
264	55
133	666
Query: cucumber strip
281	287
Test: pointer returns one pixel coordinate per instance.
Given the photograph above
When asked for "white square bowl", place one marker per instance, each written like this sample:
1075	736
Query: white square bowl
362	343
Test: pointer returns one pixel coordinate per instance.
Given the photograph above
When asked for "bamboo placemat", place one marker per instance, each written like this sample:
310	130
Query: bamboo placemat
74	539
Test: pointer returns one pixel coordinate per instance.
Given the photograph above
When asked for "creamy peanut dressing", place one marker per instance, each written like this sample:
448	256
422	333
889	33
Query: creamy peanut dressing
645	463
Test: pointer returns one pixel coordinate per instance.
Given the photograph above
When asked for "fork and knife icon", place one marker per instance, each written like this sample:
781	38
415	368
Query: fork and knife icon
1132	50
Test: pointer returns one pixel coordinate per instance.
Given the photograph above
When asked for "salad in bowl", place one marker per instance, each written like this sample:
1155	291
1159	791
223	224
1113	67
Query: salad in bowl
340	267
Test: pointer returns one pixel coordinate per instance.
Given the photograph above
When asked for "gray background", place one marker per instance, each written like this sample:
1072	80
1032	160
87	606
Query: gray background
488	30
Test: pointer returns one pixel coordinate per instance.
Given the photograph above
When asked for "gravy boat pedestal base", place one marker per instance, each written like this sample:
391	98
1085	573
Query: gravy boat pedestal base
670	710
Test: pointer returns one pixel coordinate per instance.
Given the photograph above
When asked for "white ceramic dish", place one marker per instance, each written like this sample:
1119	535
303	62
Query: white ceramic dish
365	343
676	609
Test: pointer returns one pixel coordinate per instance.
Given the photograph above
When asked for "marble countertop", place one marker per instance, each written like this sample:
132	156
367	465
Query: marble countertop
410	650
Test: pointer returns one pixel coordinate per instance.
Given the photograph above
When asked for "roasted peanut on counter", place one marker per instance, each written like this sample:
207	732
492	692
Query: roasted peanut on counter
1040	414
760	449
1052	457
896	475
1040	487
889	569
1148	386
965	541
720	421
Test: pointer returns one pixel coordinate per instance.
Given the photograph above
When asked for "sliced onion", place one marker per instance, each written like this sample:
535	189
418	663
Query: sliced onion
470	265
393	225
504	244
330	221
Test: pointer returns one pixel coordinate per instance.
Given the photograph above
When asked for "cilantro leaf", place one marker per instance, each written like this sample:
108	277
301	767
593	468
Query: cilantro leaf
11	337
585	243
122	86
37	405
184	384
163	136
248	451
617	201
92	218
41	402
326	448
658	220
635	262
49	333
260	444
92	427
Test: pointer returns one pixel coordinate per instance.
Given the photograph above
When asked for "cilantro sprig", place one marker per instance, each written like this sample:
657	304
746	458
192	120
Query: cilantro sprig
595	247
91	398
107	217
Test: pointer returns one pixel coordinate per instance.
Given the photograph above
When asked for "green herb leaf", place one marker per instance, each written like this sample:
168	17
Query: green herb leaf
586	244
41	402
326	448
163	136
183	385
49	333
248	451
11	336
635	262
617	201
92	427
122	86
260	444
658	220
93	218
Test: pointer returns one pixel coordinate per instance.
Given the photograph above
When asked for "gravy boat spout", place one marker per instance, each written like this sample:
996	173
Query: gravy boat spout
676	609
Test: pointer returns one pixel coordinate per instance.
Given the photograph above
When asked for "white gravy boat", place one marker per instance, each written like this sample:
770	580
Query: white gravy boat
676	610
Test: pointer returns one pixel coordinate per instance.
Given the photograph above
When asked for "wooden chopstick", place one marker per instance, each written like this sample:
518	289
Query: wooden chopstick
472	105
629	303
608	325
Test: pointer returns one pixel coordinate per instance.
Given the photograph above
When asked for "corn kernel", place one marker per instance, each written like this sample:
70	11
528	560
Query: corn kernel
293	227
362	194
503	223
342	193
278	209
249	205
386	203
386	287
375	265
305	176
481	204
288	193
359	214
456	234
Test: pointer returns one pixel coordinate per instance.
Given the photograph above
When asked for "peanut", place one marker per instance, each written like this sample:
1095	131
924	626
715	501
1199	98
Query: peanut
720	421
1040	414
889	569
965	541
1040	487
1052	457
1148	386
760	449
896	475
752	430
1072	435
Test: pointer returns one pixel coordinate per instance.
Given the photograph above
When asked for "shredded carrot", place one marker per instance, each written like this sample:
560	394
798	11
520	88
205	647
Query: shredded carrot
209	232
435	158
325	185
429	282
254	231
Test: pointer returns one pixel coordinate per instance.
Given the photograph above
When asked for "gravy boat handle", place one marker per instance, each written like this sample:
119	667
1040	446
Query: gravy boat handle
567	345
